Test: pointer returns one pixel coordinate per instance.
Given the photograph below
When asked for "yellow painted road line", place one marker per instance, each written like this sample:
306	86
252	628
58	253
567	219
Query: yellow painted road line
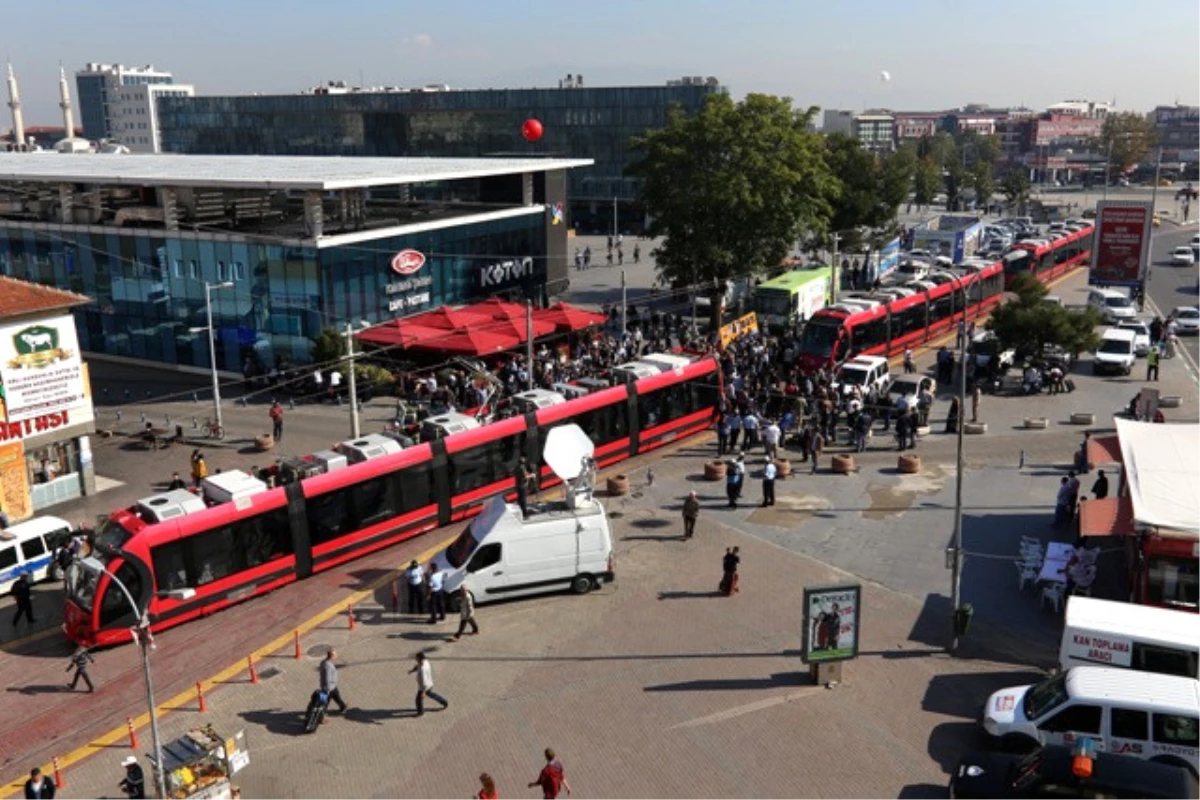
186	699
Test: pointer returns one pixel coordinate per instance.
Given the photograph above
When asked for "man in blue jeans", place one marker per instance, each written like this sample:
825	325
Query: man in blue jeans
424	672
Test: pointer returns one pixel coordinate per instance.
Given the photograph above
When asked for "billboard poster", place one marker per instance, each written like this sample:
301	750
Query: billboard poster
1121	243
14	482
40	368
831	620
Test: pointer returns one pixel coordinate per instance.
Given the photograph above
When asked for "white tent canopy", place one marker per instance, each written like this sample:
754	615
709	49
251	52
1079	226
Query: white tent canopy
1163	473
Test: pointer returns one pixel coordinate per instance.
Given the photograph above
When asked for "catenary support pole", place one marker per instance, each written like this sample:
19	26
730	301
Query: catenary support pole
354	423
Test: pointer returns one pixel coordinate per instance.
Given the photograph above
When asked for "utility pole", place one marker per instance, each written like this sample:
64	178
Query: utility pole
837	278
624	297
956	545
529	339
615	227
1108	167
354	428
1145	276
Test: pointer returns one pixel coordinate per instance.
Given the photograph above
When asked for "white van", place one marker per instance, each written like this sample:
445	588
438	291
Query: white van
865	372
1109	634
27	548
1141	714
1113	306
501	555
1117	352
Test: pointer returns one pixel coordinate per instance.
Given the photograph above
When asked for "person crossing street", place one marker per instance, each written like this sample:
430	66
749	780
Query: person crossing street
466	613
424	672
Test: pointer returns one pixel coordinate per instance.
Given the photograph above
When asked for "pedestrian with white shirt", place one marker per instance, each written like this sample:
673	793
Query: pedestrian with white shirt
768	483
424	672
771	436
466	613
416	588
437	596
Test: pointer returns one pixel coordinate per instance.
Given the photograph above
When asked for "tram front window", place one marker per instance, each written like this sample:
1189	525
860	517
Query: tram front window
81	585
818	340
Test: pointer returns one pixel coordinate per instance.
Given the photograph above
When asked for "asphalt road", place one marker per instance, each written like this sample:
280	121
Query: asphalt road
1172	285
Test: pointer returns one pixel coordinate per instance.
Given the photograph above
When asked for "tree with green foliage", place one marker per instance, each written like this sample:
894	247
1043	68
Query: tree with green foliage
1125	139
870	189
983	183
896	181
1015	188
927	181
955	180
731	187
328	346
1028	323
940	148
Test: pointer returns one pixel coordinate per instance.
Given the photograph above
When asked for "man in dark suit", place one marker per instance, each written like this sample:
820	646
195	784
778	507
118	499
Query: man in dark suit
38	787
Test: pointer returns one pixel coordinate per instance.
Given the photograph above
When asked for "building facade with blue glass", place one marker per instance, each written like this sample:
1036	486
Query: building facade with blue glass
595	123
307	244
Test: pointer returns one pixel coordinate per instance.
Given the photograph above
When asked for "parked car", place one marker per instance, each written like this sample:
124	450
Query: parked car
1141	334
1183	255
1187	318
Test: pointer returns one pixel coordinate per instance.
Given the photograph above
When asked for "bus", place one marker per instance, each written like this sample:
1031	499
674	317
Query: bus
200	561
1047	260
886	325
793	296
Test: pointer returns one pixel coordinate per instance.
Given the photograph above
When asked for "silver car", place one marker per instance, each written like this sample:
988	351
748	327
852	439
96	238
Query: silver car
1141	335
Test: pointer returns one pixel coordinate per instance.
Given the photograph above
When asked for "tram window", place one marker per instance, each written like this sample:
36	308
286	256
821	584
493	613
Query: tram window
941	309
649	410
614	421
211	556
170	570
328	516
705	393
374	501
115	605
913	319
415	487
469	470
871	334
263	538
505	454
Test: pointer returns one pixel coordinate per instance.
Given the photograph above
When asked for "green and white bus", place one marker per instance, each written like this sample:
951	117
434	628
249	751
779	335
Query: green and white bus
793	296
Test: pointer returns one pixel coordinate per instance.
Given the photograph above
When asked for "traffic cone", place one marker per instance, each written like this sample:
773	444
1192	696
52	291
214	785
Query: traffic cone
350	615
297	639
200	697
59	781
133	742
253	671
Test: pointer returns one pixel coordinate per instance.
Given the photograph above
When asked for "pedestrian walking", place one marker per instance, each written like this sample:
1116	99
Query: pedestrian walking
817	447
976	396
466	613
79	662
909	366
23	596
722	436
199	468
750	426
771	436
416	588
437	596
1100	487
1152	364
587	257
1062	510
729	572
487	788
952	417
276	415
768	483
424	672
39	787
735	429
134	782
329	680
523	479
902	422
691	512
637	254
552	778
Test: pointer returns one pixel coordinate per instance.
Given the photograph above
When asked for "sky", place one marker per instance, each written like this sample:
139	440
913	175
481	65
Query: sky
940	53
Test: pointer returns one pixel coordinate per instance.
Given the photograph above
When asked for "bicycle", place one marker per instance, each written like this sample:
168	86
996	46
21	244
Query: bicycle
213	430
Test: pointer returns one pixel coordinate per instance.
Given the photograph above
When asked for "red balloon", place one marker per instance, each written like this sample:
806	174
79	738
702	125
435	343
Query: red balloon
532	130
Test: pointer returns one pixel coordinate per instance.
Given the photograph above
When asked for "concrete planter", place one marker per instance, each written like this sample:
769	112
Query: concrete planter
974	427
1083	418
714	470
909	465
264	441
1037	423
1170	401
618	485
844	464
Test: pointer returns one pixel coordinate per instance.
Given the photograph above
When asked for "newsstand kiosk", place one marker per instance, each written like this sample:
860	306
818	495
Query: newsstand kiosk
201	764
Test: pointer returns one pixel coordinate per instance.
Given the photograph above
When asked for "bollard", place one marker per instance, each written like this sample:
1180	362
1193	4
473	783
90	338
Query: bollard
59	782
200	697
133	742
396	597
253	671
350	615
297	638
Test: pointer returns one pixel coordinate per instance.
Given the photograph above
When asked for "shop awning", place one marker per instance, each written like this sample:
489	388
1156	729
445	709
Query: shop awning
569	318
1104	450
472	342
400	333
1162	473
447	318
1112	516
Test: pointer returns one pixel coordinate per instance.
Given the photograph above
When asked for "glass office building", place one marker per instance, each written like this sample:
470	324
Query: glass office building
300	259
579	122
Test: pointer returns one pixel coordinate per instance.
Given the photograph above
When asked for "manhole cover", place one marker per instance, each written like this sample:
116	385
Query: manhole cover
317	651
269	672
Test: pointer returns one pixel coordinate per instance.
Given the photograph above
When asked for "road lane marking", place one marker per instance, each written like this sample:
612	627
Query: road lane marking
186	699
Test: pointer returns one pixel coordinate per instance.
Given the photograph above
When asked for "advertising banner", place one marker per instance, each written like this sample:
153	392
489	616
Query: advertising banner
1121	243
747	323
40	368
831	620
14	482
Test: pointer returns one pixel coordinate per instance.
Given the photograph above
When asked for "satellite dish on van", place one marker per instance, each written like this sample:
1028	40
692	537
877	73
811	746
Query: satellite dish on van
567	447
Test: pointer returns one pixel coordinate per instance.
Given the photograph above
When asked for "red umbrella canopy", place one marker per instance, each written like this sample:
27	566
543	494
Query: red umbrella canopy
471	341
509	318
400	332
567	317
448	318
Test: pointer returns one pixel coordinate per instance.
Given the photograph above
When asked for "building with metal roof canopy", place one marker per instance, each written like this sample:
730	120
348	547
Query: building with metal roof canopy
308	243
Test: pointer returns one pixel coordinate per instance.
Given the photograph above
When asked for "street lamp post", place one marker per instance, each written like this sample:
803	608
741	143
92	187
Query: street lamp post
212	346
146	643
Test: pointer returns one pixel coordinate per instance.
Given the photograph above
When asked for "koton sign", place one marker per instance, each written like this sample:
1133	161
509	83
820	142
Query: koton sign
408	262
1121	243
505	272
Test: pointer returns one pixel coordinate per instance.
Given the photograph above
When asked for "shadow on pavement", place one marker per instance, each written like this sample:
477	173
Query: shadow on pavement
664	538
290	723
922	790
377	716
41	688
681	595
963	694
725	684
949	741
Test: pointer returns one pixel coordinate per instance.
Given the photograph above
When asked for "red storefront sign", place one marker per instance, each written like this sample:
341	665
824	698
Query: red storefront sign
15	431
1121	245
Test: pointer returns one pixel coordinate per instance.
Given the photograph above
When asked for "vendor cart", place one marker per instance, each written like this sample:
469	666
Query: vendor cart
201	763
